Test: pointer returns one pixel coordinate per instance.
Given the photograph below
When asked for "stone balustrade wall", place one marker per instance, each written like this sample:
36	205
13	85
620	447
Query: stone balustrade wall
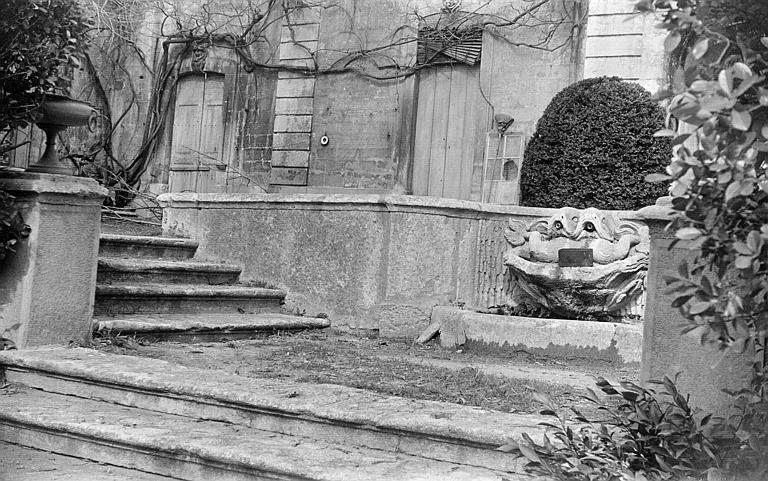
368	261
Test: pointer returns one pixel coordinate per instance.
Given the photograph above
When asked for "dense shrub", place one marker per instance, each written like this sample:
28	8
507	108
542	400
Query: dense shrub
593	147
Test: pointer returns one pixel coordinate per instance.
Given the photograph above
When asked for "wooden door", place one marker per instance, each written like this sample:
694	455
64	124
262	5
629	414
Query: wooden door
197	145
450	128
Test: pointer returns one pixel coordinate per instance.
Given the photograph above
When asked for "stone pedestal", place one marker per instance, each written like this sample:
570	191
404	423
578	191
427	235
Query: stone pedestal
47	286
704	372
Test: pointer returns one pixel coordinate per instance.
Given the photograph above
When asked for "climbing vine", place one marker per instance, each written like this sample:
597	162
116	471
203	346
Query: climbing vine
125	42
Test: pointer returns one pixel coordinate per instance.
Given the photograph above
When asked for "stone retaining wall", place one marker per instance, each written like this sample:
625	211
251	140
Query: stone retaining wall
368	261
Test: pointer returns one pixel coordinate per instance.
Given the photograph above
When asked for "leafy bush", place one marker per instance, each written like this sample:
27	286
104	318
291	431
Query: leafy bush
593	147
40	37
647	432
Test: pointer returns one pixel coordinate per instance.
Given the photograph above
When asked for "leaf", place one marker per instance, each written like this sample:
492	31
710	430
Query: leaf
672	41
741	70
742	248
743	262
700	48
529	453
656	177
725	80
699	307
665	133
732	190
509	447
741	119
764	41
688	233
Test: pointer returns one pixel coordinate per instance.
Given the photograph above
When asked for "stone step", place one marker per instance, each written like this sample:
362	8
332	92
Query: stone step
116	269
205	327
182	298
147	247
353	417
198	449
20	463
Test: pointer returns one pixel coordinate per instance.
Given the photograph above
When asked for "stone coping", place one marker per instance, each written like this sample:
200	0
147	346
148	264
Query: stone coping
370	202
325	403
56	184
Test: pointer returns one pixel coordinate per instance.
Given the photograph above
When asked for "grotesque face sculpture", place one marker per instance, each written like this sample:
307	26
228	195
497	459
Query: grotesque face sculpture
618	250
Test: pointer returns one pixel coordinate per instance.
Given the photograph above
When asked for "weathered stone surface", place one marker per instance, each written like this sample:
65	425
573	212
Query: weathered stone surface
146	247
703	372
115	269
189	448
169	298
47	285
148	323
353	417
606	341
20	463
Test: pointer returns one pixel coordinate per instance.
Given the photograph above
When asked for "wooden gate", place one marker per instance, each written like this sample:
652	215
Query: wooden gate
451	121
197	145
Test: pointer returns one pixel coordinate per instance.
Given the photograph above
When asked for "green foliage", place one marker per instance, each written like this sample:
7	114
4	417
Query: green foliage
719	185
648	435
40	37
12	227
593	147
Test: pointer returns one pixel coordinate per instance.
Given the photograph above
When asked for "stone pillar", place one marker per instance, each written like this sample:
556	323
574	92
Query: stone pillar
47	286
704	372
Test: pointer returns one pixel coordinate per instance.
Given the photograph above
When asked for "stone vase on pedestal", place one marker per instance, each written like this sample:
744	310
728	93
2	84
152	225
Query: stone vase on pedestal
58	112
47	286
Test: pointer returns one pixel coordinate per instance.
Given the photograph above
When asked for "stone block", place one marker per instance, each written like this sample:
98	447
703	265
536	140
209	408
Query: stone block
47	286
296	87
297	50
293	123
615	45
294	106
299	33
288	176
290	141
302	16
290	158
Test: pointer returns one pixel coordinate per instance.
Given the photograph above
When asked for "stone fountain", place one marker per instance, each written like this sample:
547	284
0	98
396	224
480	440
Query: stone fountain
579	263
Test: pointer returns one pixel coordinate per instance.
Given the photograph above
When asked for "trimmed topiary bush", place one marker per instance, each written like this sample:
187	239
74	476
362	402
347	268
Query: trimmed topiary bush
593	147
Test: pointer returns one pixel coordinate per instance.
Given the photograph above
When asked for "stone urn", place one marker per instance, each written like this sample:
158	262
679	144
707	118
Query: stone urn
56	113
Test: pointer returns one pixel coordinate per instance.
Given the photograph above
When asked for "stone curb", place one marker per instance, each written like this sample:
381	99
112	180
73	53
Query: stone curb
557	338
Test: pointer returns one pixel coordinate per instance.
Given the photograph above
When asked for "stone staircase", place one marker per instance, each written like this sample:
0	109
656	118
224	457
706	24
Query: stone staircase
150	419
156	417
151	287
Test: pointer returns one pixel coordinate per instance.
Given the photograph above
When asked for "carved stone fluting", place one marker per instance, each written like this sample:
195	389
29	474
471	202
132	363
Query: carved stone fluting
615	279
